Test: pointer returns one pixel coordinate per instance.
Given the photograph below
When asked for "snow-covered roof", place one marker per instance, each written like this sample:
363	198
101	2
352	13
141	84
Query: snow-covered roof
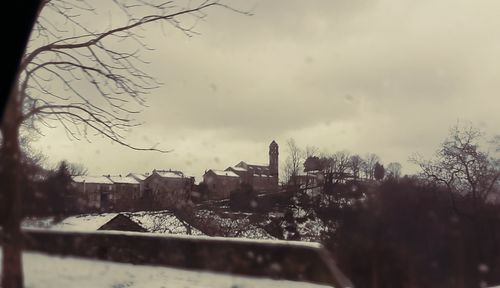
123	180
138	176
92	179
224	173
237	168
162	222
169	173
258	165
91	222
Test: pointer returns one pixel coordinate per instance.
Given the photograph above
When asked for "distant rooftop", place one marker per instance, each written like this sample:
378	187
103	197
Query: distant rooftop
224	173
257	164
237	168
262	165
122	180
169	173
138	176
92	179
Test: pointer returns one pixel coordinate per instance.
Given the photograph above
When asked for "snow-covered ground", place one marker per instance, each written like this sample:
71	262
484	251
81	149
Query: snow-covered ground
152	221
227	224
240	225
44	271
88	222
161	222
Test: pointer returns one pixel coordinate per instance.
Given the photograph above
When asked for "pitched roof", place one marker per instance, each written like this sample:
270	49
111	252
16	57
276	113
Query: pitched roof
258	165
236	169
91	222
94	222
224	173
138	176
169	173
252	165
91	179
123	180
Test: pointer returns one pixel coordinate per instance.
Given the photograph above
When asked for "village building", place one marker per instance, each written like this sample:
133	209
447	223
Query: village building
262	177
94	193
106	193
122	222
220	184
139	177
88	223
126	192
167	189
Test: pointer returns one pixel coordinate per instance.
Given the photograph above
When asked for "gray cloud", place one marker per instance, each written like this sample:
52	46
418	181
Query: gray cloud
382	76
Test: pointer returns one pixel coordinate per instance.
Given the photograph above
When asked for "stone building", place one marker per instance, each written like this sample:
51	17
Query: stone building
126	192
220	183
262	177
94	193
106	193
139	177
167	189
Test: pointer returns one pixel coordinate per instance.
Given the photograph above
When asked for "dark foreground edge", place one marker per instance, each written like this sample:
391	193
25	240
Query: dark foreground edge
288	260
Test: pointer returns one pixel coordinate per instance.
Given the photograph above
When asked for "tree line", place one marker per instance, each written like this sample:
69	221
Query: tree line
437	228
341	164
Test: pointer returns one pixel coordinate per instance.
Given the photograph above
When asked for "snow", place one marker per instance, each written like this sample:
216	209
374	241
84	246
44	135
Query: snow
230	224
310	230
261	175
262	165
169	174
138	176
238	225
33	222
238	169
123	180
92	179
224	173
152	221
161	222
90	222
42	270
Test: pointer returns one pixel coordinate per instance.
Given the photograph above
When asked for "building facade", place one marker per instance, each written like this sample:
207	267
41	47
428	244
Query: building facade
262	177
220	184
106	193
126	192
167	189
94	193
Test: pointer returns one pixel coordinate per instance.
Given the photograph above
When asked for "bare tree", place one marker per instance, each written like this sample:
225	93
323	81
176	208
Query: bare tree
356	165
369	165
311	151
76	169
166	222
394	170
85	79
340	165
293	162
461	167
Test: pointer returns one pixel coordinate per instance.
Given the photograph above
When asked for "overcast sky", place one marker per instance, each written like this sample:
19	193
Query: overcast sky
383	76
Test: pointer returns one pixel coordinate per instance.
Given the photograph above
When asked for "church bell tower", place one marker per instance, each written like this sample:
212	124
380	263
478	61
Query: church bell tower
273	158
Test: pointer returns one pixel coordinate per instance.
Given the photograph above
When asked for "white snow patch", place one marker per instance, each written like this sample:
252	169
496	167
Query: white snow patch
92	179
123	180
44	271
225	173
162	222
90	222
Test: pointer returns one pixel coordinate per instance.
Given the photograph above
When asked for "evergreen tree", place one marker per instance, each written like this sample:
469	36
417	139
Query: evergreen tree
379	171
